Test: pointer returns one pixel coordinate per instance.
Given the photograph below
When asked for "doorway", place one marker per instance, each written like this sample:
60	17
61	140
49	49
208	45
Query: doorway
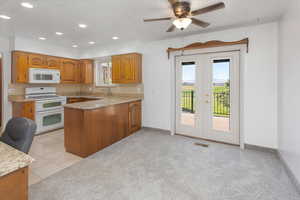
207	96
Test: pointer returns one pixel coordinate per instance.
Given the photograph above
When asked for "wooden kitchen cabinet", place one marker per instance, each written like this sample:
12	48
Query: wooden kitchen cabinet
69	71
53	62
116	69
72	71
127	68
134	116
14	186
19	67
24	109
37	60
80	99
86	71
88	131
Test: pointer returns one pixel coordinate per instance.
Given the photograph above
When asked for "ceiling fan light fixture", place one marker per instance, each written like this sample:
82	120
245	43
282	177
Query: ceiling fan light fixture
182	23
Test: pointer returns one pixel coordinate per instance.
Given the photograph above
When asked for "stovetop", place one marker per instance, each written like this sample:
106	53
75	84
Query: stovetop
42	97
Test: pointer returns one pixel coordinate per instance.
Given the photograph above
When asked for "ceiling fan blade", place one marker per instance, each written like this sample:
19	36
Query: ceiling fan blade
157	19
208	9
172	2
171	29
200	23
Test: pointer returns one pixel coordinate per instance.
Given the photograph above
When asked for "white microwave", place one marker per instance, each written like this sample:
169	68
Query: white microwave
37	75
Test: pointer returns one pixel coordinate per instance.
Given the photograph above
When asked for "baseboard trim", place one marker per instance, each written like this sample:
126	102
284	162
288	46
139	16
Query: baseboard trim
156	129
208	140
260	148
290	173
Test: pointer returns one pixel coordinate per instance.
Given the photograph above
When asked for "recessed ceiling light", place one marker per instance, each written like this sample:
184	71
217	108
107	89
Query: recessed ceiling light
82	25
4	17
91	42
27	5
59	33
42	38
115	38
75	46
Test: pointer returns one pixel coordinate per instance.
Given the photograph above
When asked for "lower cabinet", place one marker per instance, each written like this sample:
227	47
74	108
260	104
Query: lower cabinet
134	117
88	131
14	186
79	99
24	109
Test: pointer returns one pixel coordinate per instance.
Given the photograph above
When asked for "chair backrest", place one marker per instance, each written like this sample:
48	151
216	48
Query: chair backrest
19	133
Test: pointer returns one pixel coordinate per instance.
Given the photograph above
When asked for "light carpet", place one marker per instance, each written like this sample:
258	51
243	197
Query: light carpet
152	165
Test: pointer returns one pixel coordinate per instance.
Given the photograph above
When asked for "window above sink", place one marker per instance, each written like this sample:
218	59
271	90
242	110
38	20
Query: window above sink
103	72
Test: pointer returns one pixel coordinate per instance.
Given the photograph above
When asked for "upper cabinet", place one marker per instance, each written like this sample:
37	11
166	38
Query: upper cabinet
37	60
19	67
53	62
124	69
86	71
127	68
70	71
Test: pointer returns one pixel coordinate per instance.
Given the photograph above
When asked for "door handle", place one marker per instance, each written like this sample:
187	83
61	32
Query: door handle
207	101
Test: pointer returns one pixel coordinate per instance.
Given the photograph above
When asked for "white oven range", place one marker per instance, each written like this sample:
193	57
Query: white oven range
49	111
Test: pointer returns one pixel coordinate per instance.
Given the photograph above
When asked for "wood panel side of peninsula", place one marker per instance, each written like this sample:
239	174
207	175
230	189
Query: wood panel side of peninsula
88	131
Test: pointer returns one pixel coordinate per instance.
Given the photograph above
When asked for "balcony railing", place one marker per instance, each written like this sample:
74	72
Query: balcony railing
221	103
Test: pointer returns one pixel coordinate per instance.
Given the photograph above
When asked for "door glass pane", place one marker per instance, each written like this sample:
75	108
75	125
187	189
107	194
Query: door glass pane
188	93
52	119
52	104
221	95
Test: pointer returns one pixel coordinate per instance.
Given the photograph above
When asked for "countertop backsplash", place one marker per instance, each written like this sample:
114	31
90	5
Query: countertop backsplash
135	89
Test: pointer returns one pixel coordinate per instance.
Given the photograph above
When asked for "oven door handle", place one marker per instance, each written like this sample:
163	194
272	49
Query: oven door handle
62	100
50	112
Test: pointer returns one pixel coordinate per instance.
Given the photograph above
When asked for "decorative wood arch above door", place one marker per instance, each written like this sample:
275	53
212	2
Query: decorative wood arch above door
209	44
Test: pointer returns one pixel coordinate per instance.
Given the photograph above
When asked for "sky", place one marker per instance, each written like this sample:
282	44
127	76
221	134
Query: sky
220	72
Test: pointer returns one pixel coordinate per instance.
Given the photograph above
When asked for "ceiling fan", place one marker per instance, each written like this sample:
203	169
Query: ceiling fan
184	15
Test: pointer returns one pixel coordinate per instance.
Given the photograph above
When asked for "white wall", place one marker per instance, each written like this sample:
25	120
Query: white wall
259	78
289	93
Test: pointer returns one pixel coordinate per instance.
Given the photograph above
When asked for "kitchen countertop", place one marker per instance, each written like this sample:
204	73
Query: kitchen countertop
12	159
19	98
99	102
103	102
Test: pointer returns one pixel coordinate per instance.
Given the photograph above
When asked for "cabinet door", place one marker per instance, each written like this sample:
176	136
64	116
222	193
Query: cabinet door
24	109
117	69
37	61
69	71
28	110
135	116
20	67
128	69
86	72
120	122
53	62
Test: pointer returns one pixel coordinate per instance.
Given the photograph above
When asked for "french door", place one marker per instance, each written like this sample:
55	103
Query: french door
207	96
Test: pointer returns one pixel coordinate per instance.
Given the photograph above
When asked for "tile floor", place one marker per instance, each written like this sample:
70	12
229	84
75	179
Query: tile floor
50	156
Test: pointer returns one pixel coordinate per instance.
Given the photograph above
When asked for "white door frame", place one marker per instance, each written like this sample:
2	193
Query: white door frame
243	52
